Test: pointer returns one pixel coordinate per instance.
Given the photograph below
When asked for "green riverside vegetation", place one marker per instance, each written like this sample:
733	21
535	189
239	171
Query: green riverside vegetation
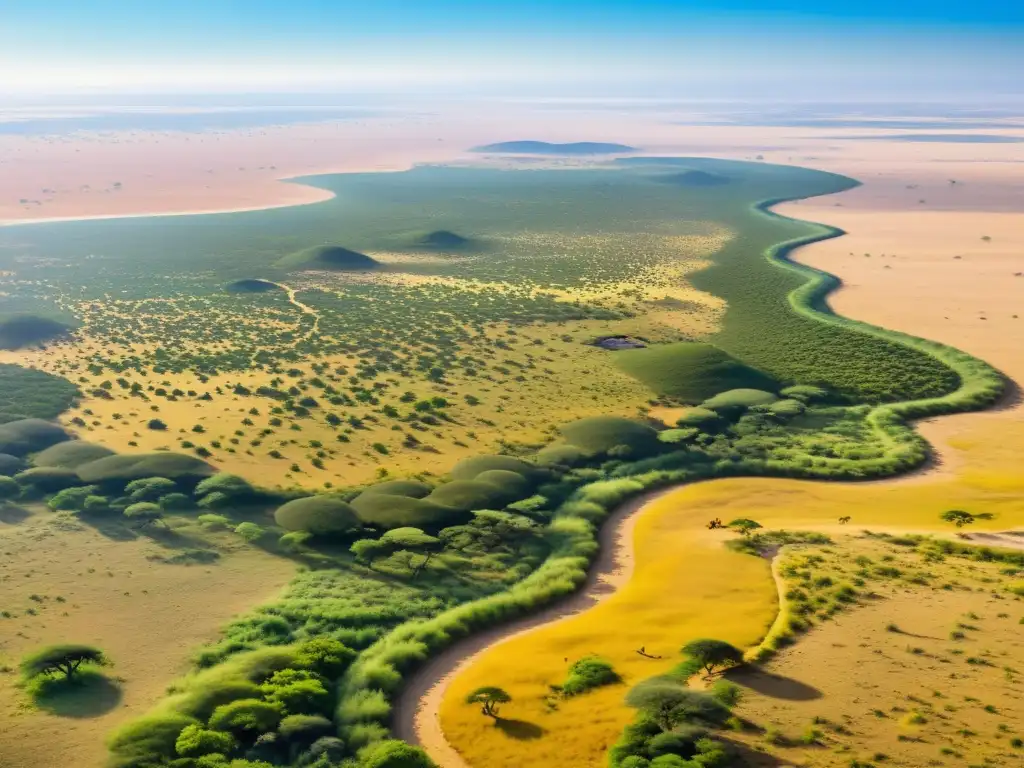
400	570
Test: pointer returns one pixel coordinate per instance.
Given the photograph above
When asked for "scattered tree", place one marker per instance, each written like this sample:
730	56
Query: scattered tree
712	654
144	513
958	517
668	703
62	660
745	525
489	697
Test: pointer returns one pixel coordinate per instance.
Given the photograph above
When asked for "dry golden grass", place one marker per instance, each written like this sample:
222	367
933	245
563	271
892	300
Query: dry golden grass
686	584
69	582
548	375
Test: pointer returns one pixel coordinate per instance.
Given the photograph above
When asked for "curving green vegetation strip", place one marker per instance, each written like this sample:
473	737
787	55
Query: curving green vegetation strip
434	562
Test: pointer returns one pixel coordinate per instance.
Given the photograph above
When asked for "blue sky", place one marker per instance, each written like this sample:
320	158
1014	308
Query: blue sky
275	45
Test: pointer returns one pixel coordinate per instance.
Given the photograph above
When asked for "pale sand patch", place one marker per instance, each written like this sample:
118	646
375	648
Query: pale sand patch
930	274
174	172
148	617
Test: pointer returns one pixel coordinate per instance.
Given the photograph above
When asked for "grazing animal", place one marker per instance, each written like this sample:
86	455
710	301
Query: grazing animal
844	520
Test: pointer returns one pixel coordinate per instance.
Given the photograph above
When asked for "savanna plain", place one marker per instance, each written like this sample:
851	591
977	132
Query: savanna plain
697	450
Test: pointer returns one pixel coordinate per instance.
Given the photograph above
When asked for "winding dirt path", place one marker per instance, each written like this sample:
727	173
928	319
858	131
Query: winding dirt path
303	308
416	714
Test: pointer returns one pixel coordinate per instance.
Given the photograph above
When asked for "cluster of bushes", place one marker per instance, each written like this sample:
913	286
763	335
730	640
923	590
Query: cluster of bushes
265	707
28	393
586	674
478	483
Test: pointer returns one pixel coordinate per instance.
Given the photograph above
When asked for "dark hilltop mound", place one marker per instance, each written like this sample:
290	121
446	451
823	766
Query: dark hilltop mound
444	240
19	331
329	257
695	179
546	148
252	285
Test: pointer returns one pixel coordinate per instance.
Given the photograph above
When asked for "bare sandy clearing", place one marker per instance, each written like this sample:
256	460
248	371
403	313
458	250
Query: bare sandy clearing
149	617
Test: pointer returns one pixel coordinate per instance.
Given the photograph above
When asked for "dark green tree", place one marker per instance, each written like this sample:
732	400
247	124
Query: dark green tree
64	660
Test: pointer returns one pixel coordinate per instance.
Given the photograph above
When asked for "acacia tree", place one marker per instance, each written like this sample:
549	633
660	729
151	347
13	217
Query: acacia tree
489	697
958	517
745	525
61	659
667	703
712	654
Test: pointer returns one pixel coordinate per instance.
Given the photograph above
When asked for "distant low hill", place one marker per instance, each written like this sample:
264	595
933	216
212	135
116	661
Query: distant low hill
252	285
545	148
19	331
329	257
695	179
444	240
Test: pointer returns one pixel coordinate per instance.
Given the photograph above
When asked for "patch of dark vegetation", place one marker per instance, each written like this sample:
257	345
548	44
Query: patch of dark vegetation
252	285
27	330
546	148
28	393
444	240
329	257
25	436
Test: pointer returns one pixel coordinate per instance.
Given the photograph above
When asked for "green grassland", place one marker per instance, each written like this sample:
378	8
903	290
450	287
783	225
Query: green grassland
400	570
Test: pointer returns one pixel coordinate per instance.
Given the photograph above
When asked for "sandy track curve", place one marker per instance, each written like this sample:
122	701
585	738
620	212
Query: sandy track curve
416	714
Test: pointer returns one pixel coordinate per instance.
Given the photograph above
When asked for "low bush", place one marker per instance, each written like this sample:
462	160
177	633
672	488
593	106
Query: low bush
385	511
317	515
588	673
603	434
412	489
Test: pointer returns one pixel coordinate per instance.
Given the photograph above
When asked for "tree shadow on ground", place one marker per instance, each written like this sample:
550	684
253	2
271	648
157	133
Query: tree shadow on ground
775	686
109	527
91	694
12	514
519	729
751	757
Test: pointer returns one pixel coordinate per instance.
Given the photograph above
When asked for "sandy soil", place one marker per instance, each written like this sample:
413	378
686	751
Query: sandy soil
101	586
416	713
917	688
103	174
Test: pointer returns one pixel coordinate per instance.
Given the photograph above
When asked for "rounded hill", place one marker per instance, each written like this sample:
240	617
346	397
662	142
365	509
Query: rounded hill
19	331
329	257
690	371
444	240
252	285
